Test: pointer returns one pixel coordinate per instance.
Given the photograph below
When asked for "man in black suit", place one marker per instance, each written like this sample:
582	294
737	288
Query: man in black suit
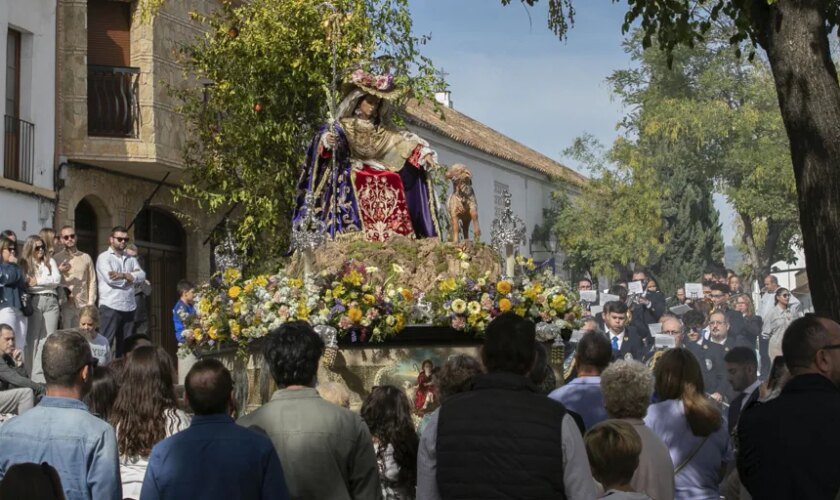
742	372
651	304
720	332
789	445
708	354
720	297
625	343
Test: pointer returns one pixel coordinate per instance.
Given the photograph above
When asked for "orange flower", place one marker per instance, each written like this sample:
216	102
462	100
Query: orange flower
504	305
504	287
355	314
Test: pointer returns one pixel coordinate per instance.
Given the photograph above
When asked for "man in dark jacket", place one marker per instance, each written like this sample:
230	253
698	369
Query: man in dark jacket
12	373
789	445
502	439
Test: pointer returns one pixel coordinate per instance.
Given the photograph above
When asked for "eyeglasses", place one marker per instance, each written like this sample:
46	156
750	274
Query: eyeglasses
122	240
39	247
68	237
785	295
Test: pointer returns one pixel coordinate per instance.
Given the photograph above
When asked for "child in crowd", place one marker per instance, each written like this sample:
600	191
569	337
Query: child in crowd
184	308
89	326
614	447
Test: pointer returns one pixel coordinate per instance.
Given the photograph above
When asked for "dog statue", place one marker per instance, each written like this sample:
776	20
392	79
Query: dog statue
461	204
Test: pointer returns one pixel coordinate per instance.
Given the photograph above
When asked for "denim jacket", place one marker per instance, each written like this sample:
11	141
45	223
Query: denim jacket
63	433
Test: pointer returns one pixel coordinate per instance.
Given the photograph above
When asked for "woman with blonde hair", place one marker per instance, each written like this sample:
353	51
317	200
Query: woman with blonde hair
690	425
777	320
42	281
50	239
89	326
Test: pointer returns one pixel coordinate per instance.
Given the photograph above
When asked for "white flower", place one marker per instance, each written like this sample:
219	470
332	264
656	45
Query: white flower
459	306
397	268
371	269
474	307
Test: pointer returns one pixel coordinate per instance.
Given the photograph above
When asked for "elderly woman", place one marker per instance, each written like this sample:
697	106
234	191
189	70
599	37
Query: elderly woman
690	425
627	387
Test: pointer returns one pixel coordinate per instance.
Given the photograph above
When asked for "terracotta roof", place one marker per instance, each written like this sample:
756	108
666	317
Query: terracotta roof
461	128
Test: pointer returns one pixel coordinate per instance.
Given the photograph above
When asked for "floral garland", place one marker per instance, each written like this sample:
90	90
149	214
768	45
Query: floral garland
360	304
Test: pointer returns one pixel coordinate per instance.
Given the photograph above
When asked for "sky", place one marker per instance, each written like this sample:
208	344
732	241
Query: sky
506	69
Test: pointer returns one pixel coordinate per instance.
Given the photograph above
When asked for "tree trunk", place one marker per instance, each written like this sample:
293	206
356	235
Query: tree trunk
760	267
794	35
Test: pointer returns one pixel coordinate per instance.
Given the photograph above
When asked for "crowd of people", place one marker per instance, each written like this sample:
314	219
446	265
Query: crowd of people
703	417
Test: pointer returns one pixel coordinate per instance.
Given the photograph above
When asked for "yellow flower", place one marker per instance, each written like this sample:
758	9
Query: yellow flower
230	275
355	314
234	327
234	292
354	278
203	306
295	283
249	287
338	290
504	287
558	302
197	333
302	311
368	299
504	305
448	285
261	280
520	310
406	293
400	322
213	333
459	306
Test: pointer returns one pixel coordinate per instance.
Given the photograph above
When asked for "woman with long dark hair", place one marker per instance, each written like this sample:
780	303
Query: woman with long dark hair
103	392
42	280
387	413
690	425
145	413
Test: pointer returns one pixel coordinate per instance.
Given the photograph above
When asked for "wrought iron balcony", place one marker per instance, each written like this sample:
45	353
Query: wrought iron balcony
113	109
18	149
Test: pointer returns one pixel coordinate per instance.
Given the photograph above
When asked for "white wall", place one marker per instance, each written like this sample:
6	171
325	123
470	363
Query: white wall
530	190
35	19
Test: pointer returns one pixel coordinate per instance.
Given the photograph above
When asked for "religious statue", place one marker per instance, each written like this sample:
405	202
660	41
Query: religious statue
461	204
369	180
425	394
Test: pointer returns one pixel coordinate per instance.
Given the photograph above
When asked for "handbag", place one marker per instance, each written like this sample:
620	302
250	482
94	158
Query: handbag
26	306
685	462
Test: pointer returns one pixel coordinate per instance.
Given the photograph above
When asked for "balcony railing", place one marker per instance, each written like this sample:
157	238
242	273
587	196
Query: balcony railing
113	110
18	149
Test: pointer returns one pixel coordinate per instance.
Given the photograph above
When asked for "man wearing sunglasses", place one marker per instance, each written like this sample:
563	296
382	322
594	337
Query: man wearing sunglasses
78	277
789	445
116	274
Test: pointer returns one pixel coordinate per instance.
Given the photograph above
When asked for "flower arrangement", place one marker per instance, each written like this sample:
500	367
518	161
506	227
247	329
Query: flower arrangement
359	303
354	304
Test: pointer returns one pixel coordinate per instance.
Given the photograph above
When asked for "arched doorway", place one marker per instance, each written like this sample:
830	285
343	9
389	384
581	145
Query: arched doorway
86	224
161	246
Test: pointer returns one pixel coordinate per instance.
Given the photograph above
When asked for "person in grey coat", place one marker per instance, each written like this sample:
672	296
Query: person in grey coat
326	450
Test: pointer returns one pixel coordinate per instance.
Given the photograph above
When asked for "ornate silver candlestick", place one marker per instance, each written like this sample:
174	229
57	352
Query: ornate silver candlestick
507	233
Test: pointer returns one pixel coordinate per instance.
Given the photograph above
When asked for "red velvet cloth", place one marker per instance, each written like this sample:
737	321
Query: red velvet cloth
382	205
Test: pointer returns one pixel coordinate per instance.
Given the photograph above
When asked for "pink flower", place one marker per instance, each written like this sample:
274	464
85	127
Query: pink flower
344	323
372	314
459	323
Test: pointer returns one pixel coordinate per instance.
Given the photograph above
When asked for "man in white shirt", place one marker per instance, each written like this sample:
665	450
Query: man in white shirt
116	273
742	372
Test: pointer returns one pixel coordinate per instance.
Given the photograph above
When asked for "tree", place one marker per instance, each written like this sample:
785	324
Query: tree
795	37
708	119
616	220
268	71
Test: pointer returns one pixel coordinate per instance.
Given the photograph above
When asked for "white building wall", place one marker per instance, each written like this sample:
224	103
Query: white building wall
22	211
530	190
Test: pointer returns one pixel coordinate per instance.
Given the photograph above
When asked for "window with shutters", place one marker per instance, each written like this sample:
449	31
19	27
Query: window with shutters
18	134
112	83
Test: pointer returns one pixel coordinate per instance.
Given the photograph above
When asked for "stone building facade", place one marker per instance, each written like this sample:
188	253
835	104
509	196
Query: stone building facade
120	140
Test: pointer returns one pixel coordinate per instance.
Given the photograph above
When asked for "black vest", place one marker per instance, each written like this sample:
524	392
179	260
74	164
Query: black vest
501	440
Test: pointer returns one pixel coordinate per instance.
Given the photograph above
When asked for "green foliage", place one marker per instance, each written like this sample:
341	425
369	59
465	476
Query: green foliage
268	68
616	219
710	118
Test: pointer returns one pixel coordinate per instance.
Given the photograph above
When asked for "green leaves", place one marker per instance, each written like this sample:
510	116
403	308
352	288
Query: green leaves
266	65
